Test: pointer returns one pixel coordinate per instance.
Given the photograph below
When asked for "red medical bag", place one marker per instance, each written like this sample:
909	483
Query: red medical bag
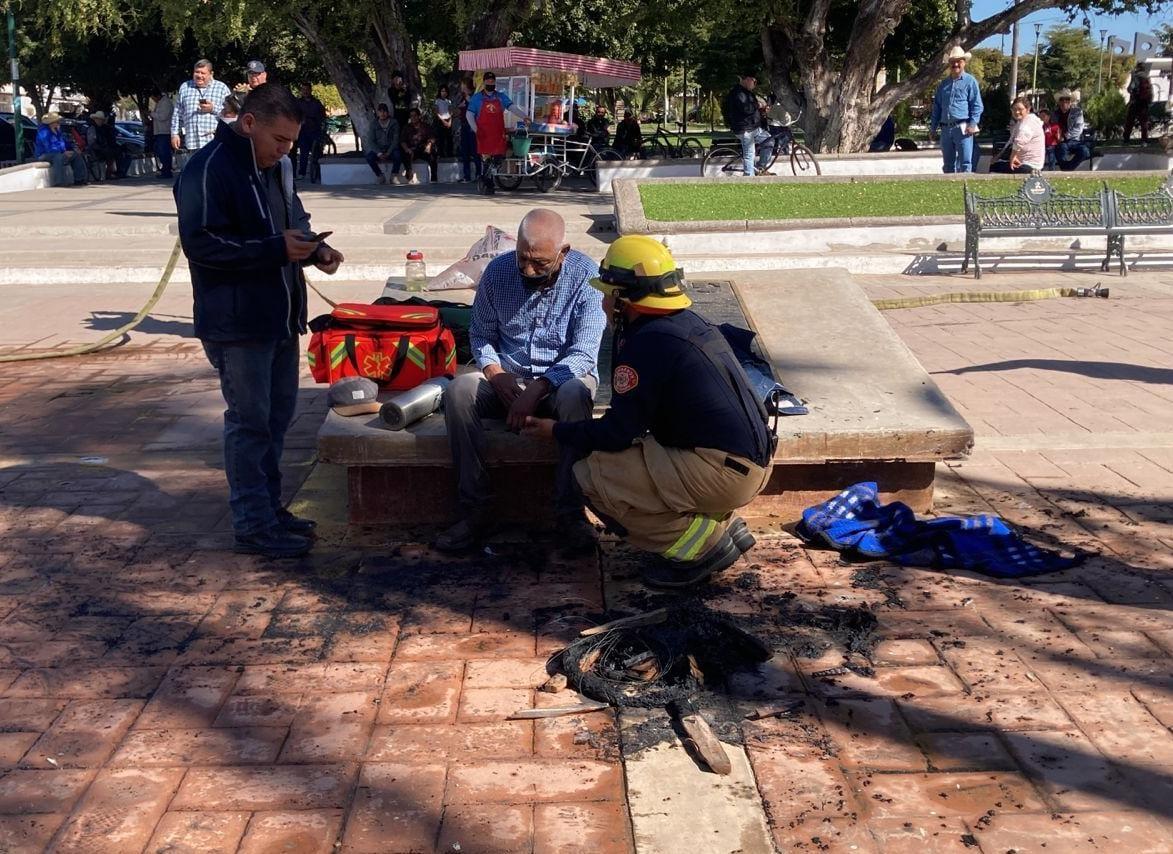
397	346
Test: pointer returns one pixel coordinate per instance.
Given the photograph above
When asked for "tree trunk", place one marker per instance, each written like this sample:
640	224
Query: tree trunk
355	86
842	112
494	28
390	50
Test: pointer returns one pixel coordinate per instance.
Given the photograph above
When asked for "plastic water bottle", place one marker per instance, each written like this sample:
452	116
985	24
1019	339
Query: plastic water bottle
417	271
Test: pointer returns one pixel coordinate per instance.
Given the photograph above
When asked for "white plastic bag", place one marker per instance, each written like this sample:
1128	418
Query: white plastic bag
466	273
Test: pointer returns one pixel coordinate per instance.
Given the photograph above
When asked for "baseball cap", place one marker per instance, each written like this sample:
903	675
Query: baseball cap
255	66
354	396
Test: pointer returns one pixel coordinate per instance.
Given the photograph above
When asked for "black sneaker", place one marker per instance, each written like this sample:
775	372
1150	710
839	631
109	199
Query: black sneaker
295	524
274	542
464	535
686	573
739	533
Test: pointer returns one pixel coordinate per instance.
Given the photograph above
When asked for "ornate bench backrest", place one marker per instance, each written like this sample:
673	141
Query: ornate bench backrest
1036	206
1154	208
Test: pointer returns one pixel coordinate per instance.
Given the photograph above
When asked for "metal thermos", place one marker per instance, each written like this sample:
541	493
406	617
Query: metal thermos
411	406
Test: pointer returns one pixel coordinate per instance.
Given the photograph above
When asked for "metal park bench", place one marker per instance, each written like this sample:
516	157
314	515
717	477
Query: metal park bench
1148	213
1035	210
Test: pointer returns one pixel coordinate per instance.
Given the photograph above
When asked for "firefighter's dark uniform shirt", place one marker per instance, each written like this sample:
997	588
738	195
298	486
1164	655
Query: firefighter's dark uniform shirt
664	385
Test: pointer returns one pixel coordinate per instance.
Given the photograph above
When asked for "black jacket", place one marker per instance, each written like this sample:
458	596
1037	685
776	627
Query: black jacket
244	289
741	110
663	383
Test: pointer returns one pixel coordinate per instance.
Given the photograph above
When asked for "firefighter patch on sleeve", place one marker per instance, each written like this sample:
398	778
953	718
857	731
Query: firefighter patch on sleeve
624	379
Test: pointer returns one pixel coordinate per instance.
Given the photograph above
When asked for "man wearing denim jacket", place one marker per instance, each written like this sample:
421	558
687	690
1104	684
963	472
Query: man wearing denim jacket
246	237
957	113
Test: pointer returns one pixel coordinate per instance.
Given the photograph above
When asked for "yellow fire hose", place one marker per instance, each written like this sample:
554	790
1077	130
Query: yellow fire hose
989	296
83	349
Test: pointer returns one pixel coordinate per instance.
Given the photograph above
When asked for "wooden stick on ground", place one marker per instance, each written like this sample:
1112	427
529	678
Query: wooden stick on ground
555	711
701	739
648	619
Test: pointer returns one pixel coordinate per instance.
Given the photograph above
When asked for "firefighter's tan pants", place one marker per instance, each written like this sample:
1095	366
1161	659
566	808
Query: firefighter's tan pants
675	502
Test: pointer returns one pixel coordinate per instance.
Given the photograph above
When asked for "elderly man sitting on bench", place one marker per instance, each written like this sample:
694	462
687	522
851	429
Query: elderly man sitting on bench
536	328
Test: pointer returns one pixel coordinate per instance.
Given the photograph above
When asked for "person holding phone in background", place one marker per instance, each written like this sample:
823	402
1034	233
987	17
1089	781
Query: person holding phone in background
247	237
197	109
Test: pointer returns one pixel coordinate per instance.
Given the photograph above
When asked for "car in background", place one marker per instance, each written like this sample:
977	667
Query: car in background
8	137
131	142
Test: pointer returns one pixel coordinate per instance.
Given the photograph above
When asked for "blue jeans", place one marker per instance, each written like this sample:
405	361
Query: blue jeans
372	158
162	146
749	140
59	166
1070	154
957	149
259	382
468	152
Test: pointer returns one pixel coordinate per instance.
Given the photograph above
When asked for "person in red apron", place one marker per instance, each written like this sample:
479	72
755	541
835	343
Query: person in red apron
486	116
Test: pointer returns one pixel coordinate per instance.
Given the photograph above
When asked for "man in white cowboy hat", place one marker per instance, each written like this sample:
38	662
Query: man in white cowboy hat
957	111
56	149
1071	150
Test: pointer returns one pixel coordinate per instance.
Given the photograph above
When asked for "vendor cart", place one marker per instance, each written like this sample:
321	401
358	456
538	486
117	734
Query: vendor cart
543	149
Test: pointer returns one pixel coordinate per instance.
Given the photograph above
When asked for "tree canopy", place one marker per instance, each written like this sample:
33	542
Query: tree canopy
822	57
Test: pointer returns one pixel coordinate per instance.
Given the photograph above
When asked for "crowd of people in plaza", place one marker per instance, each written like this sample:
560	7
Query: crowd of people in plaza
185	122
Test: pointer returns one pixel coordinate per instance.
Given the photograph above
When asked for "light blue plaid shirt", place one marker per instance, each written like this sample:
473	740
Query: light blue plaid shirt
198	128
552	332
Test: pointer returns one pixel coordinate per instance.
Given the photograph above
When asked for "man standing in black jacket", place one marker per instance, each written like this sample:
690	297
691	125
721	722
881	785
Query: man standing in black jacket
744	118
246	237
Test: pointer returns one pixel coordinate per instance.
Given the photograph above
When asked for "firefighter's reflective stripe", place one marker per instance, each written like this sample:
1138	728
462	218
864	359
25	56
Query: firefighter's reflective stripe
694	536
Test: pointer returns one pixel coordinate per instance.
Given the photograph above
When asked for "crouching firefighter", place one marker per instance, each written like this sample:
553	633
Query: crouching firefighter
684	442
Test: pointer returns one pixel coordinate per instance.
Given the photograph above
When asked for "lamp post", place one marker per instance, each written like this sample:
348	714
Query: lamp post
1100	67
1034	79
17	115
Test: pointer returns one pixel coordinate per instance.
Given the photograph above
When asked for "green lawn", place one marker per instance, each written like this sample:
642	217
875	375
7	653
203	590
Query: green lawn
741	200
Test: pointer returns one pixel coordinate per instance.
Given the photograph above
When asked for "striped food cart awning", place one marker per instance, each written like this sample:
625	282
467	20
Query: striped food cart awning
592	71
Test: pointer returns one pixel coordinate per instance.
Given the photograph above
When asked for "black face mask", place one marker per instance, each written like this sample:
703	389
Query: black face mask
489	87
534	283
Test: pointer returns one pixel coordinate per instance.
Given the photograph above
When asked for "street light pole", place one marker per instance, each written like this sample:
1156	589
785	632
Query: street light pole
1100	67
1034	80
17	116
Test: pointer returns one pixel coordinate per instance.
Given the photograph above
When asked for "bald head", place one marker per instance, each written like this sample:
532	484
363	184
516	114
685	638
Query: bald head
542	229
541	247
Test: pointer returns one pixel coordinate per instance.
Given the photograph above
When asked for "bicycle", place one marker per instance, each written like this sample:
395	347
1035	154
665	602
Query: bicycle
660	144
725	157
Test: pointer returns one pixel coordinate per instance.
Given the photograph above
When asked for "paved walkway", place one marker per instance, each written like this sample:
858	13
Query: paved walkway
160	694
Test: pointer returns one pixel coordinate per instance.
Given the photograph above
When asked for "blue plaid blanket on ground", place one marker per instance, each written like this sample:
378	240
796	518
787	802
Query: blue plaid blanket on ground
857	523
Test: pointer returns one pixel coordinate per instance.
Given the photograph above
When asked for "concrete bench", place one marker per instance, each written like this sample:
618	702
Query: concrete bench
343	171
875	415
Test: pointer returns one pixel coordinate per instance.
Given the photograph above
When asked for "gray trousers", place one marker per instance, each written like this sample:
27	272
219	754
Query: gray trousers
470	398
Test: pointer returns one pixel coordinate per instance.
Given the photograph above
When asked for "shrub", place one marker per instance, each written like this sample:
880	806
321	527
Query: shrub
1105	112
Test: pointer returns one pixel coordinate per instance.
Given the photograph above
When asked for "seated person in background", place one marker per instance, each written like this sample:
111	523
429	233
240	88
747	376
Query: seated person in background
1051	137
417	141
1071	150
58	150
886	137
599	128
535	333
685	441
102	144
629	136
1026	143
381	143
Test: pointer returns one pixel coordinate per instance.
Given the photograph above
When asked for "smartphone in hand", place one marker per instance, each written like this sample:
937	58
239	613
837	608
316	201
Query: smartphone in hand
318	238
